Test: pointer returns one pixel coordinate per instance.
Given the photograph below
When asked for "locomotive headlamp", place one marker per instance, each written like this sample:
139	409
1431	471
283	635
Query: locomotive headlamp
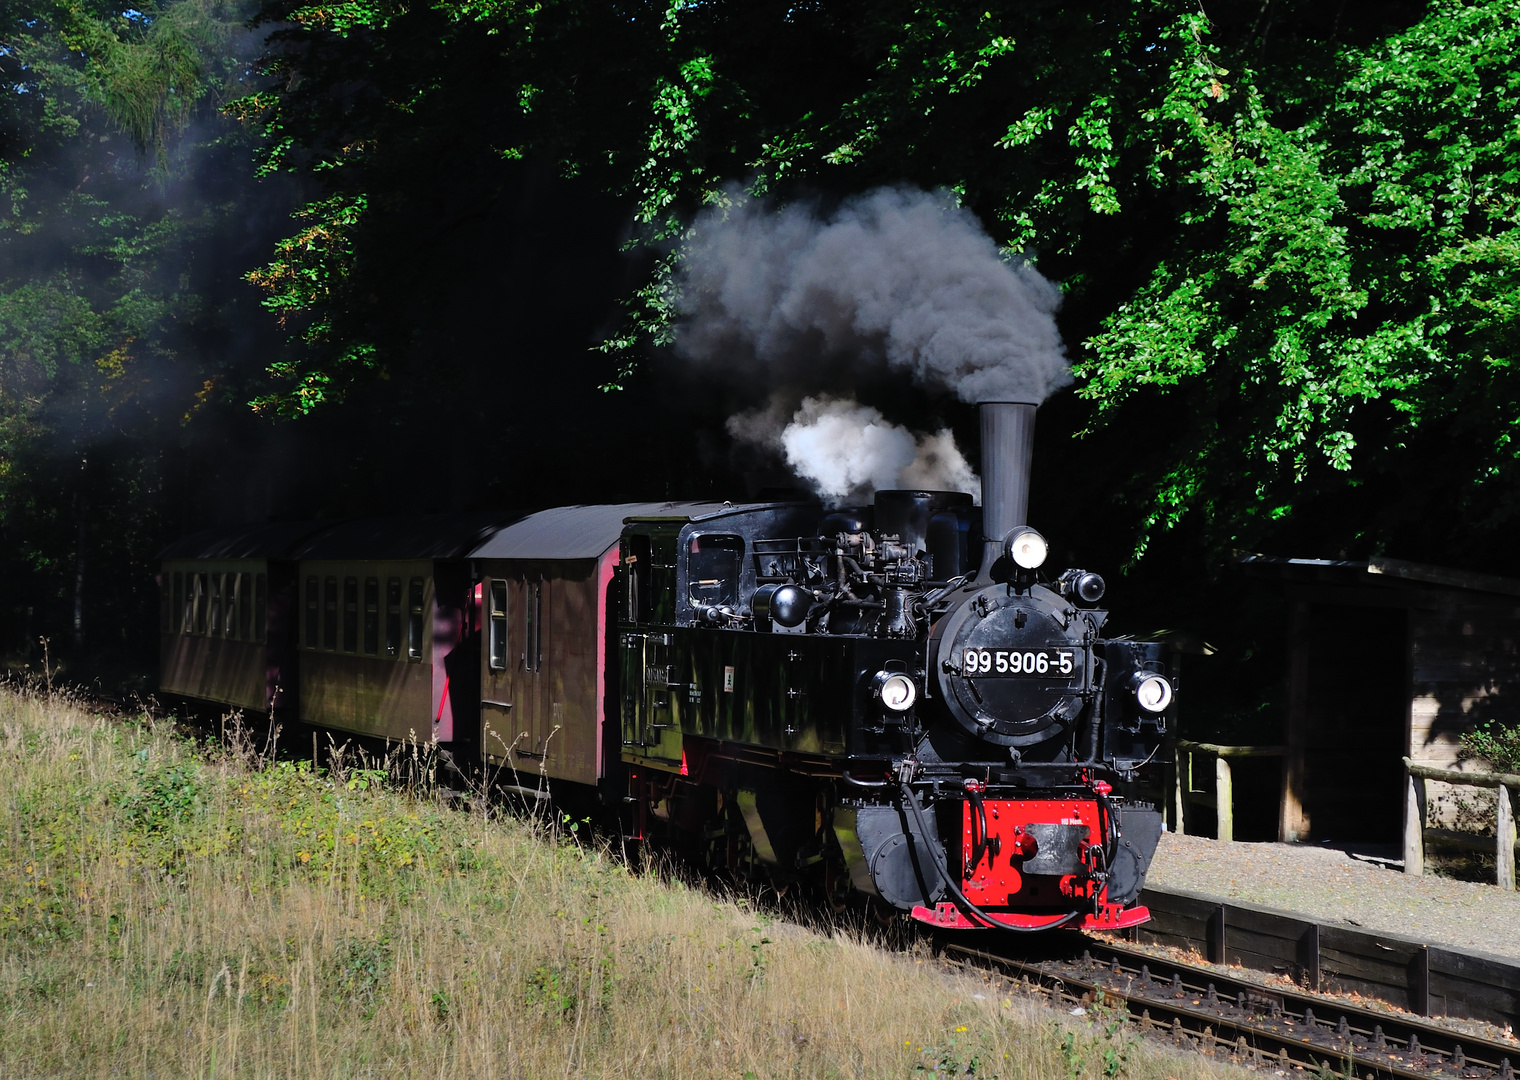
1152	691
1025	547
895	690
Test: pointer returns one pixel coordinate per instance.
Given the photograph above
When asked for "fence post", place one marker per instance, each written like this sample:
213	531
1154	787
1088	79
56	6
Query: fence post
1224	797
1506	837
1184	782
1414	824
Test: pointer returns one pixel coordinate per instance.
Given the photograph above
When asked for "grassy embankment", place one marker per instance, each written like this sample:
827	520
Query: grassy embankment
173	912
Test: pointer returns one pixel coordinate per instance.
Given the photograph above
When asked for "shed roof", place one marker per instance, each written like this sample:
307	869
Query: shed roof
259	540
582	532
444	536
1376	571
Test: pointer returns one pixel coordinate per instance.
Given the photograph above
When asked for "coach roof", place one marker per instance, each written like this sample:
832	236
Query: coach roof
585	532
264	540
447	536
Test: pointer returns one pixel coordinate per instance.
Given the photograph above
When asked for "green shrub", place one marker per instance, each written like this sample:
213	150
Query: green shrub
1495	743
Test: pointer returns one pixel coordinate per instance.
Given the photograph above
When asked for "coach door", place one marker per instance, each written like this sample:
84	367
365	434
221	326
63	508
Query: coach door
515	710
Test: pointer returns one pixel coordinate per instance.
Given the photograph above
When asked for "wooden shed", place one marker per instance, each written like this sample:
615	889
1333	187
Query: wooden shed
1386	660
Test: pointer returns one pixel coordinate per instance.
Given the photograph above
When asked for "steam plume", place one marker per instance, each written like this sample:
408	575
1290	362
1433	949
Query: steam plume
847	450
896	277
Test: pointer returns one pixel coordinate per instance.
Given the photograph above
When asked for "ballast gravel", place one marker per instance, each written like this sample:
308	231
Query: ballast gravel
1330	885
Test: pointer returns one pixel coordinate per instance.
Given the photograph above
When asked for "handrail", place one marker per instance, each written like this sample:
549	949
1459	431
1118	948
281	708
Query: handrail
1223	799
1456	776
1417	833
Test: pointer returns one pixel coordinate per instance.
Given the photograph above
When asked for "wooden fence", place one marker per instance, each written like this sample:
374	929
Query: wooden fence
1418	834
1222	799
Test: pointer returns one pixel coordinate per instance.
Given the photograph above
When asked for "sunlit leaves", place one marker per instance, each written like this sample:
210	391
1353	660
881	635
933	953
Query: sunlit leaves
1347	245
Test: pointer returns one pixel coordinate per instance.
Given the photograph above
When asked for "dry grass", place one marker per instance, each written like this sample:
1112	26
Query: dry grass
169	912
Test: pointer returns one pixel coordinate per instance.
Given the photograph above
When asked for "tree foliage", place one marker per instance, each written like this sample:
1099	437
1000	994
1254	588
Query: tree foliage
125	189
1340	290
1287	235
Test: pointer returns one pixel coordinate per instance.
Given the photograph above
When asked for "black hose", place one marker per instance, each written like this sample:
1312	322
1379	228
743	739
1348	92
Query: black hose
978	839
848	779
1111	849
960	897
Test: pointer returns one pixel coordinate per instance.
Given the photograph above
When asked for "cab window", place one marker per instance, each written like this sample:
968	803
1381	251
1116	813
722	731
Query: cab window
712	569
662	579
636	578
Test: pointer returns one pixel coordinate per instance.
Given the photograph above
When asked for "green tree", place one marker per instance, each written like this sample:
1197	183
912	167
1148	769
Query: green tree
1287	235
123	187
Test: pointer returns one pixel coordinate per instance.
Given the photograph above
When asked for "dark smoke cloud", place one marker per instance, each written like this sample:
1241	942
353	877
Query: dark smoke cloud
795	304
896	277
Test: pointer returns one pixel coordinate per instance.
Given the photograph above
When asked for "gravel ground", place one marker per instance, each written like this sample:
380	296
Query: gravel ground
1329	885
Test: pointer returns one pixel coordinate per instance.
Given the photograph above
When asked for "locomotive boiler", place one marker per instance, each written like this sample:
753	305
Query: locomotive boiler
896	703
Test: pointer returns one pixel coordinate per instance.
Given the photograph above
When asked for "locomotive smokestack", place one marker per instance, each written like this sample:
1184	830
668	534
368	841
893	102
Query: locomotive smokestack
1007	448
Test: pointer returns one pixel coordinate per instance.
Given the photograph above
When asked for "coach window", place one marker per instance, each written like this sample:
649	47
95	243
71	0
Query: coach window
414	619
712	569
533	623
498	628
200	603
214	621
233	604
393	617
187	620
330	614
245	607
260	585
177	610
313	613
350	614
371	616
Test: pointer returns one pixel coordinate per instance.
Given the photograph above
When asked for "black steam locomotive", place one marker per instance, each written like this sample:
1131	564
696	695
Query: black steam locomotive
891	700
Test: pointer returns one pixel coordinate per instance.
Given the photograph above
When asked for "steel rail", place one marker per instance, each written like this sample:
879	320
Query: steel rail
1260	1024
1399	1027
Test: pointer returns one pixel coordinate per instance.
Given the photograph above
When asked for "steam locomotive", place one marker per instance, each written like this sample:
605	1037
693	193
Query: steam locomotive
892	701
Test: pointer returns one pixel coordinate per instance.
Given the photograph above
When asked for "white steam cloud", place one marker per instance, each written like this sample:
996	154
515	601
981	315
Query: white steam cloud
847	450
895	280
895	276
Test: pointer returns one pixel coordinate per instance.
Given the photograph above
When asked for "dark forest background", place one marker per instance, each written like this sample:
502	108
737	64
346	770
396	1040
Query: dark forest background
371	257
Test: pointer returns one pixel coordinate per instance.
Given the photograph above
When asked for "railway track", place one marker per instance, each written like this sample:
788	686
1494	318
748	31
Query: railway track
1252	1024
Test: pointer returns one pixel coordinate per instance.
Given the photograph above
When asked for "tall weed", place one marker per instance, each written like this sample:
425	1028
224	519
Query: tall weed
170	910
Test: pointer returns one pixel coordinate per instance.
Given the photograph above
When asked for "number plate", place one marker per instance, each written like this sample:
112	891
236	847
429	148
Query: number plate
1040	663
